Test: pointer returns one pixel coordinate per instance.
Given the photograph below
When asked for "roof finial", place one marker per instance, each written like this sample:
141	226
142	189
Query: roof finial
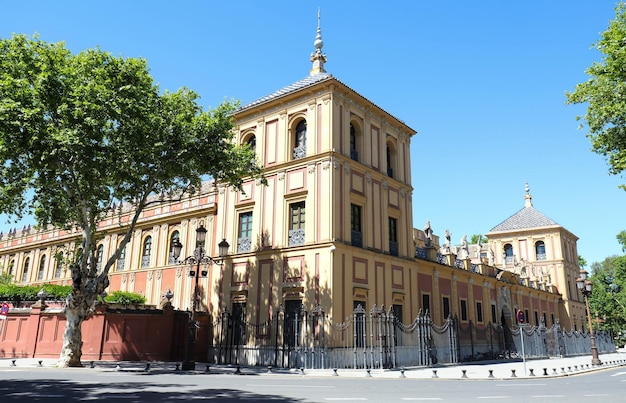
317	57
528	199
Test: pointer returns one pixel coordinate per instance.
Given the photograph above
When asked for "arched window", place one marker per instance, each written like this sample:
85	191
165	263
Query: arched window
175	237
121	260
57	268
540	250
99	255
42	268
299	145
147	251
391	159
354	150
252	142
508	253
25	271
11	266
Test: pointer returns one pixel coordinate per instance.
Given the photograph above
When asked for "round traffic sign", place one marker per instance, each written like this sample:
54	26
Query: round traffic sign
4	309
521	318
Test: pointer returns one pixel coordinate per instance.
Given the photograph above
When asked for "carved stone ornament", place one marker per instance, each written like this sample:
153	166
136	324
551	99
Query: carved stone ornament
311	168
179	272
281	175
326	165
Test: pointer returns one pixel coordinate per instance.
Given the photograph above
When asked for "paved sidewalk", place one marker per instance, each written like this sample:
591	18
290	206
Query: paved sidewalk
531	369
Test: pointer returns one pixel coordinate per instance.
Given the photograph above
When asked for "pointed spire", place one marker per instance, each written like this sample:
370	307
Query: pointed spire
528	199
317	57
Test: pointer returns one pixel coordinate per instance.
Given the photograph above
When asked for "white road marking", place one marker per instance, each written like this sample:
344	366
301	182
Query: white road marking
547	396
343	399
493	397
421	398
289	386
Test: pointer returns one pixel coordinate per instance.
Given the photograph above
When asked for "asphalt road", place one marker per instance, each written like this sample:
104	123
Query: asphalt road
29	384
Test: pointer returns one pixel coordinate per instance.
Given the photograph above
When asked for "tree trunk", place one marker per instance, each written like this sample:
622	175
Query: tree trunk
75	313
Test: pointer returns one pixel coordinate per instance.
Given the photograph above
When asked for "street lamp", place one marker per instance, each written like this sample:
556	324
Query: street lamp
198	258
585	287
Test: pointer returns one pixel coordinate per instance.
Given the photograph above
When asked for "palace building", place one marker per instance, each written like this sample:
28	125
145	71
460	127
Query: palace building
332	228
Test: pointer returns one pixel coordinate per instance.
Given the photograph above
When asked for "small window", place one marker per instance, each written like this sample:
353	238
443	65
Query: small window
393	236
25	271
299	146
99	256
57	268
479	312
147	251
508	253
389	162
42	268
493	314
121	260
11	267
463	310
244	242
540	250
174	238
354	153
252	143
425	303
356	225
446	308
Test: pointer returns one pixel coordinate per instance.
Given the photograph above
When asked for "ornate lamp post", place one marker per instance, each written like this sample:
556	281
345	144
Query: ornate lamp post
585	287
195	261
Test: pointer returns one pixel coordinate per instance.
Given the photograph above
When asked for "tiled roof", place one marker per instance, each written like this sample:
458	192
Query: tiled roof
298	85
527	217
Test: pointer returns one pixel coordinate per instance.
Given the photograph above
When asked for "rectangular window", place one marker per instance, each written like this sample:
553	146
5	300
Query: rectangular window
552	317
426	303
446	308
494	318
536	318
244	242
355	225
479	312
393	236
296	223
463	310
527	316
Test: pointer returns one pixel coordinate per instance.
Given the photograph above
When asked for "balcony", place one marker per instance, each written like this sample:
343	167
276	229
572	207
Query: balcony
145	261
299	152
357	238
354	154
541	256
296	237
244	245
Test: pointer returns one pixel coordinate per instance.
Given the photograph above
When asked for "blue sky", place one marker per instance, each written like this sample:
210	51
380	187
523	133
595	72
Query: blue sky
481	82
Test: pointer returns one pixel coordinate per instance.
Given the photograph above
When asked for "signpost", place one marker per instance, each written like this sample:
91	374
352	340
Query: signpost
4	310
521	320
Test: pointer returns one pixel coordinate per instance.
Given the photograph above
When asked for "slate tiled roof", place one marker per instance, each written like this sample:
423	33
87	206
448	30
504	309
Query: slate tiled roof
298	85
527	217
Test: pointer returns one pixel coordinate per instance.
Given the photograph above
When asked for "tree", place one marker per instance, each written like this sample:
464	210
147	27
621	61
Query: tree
80	132
608	299
621	238
478	237
605	92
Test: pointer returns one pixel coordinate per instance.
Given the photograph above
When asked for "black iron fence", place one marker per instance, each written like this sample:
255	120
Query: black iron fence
295	337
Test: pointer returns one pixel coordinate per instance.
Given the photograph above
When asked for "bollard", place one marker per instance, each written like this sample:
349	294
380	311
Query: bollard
562	370
302	370
335	372
513	374
12	363
207	369
545	371
434	374
464	371
369	373
147	368
490	373
40	363
531	372
238	370
269	369
569	369
402	373
91	364
554	371
118	367
177	367
575	367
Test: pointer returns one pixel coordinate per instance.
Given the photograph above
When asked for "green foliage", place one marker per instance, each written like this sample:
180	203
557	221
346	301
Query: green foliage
581	261
6	278
604	93
621	238
608	298
125	298
79	132
478	237
16	293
